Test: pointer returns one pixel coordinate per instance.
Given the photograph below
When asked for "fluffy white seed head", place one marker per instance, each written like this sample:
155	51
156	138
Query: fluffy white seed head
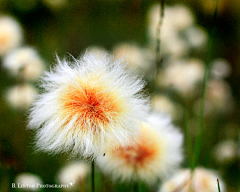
11	34
29	180
85	103
20	96
204	180
24	62
73	174
153	155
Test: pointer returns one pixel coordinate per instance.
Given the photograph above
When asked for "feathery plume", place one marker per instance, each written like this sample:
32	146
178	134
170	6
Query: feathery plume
85	103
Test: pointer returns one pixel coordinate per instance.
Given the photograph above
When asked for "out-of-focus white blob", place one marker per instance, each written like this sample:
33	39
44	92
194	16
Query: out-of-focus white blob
196	36
226	151
31	182
178	33
175	47
73	174
11	35
220	68
98	51
182	17
182	75
25	63
176	18
171	42
203	180
164	104
134	55
20	96
220	95
218	100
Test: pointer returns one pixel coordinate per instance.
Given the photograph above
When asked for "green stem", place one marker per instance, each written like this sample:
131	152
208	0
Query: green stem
197	146
158	59
219	190
188	136
92	186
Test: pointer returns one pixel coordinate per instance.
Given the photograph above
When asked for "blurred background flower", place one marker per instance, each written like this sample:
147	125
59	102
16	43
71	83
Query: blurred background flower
203	180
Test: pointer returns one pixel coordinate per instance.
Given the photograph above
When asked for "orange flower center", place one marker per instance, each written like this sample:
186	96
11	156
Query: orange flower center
93	105
144	150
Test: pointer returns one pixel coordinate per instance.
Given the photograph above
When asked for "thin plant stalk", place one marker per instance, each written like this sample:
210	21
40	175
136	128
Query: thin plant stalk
92	178
197	144
188	135
158	59
219	189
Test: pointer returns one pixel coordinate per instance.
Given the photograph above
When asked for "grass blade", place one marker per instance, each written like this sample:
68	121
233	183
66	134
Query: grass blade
219	189
158	59
197	144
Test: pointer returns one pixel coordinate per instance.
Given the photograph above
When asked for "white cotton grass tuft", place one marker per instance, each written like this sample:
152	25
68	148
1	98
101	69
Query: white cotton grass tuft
155	154
30	181
20	96
11	35
24	62
204	180
73	173
85	103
